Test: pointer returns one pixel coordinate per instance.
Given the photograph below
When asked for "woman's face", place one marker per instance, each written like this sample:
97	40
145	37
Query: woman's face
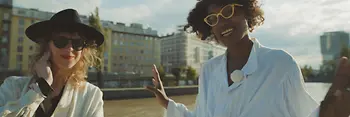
66	49
228	31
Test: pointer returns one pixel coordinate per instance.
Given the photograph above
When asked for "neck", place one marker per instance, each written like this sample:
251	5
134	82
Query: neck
239	52
60	76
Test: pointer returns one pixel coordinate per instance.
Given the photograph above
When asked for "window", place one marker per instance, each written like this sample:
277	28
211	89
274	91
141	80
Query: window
19	58
105	69
21	12
21	31
21	22
6	16
4	39
3	51
30	57
19	48
115	42
19	66
31	48
20	39
5	27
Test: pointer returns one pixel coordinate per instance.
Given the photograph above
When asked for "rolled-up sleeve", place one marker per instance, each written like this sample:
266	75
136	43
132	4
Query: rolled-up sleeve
180	110
295	100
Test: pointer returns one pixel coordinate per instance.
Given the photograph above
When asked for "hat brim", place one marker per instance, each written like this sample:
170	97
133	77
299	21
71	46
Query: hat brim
39	30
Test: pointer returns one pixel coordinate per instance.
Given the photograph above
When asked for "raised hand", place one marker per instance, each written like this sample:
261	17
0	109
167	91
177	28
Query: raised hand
158	88
337	100
43	68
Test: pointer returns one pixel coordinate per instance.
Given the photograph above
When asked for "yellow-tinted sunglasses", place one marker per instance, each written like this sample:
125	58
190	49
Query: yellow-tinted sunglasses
226	12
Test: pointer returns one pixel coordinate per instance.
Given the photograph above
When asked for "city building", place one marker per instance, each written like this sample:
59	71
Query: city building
133	49
20	48
129	49
182	49
332	43
5	22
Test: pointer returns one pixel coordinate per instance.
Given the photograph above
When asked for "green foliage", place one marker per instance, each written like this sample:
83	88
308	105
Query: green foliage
191	73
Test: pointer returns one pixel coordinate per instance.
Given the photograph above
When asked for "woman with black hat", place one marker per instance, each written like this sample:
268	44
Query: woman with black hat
58	86
250	80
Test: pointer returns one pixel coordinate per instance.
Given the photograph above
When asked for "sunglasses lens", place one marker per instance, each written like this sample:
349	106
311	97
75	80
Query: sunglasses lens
227	11
212	19
78	44
60	43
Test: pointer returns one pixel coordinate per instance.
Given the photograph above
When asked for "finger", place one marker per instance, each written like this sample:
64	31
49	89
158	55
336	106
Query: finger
155	83
152	89
343	60
342	75
155	73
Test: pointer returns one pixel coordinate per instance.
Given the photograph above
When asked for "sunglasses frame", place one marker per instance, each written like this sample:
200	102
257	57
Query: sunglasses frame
220	13
69	40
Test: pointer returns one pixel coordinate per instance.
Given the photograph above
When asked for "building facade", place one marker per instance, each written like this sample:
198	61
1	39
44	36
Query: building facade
182	49
133	49
332	43
20	48
128	49
5	22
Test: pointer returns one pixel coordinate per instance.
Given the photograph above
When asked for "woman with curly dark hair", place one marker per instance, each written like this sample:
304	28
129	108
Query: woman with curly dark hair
249	80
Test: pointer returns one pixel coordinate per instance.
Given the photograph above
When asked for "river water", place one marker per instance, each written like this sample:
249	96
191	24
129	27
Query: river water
148	107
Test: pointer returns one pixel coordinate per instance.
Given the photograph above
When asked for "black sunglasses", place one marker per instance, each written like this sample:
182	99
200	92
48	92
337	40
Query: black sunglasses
61	42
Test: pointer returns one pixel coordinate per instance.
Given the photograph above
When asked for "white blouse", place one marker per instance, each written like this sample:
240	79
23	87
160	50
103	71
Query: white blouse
16	99
272	86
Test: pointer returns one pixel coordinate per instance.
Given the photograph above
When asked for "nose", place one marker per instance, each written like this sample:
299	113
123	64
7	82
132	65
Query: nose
69	46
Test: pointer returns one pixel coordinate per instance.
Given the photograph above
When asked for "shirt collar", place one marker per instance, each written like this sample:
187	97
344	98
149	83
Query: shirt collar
252	63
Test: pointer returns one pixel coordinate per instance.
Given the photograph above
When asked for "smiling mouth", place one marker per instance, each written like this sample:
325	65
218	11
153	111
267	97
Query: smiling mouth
227	32
67	57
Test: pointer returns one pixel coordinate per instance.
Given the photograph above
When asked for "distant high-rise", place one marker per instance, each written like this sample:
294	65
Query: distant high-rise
182	49
332	43
6	2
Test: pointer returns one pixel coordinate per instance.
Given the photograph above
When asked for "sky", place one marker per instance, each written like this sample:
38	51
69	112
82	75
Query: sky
292	25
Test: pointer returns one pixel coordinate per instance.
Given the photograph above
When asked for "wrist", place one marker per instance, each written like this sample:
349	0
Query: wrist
165	103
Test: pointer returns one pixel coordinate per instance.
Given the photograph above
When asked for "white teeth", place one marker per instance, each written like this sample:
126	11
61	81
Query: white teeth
227	32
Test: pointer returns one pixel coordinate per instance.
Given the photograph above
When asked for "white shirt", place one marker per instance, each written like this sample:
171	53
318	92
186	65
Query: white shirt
16	99
273	86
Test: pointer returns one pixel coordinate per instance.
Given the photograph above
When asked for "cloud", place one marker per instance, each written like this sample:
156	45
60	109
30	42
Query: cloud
127	14
162	15
84	7
293	25
308	16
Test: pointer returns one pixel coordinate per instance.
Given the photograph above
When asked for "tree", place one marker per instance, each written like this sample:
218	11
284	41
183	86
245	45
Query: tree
162	74
94	21
191	74
307	71
327	70
344	51
176	73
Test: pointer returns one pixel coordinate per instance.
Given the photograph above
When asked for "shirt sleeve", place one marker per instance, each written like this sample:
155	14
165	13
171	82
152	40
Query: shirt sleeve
10	101
295	99
180	110
98	104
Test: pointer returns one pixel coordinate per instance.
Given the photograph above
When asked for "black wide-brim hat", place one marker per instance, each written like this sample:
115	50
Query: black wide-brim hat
64	21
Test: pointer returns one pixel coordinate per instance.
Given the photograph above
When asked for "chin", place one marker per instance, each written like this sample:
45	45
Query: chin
68	65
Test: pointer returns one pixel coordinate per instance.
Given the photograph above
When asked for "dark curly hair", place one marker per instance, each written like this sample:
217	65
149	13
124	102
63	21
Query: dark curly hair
195	19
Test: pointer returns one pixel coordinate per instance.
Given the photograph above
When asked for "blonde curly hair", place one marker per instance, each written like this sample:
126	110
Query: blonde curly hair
79	71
